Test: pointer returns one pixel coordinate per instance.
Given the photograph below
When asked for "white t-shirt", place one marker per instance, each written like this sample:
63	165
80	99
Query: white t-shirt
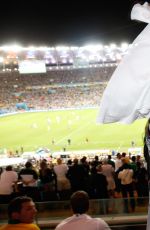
118	164
80	222
7	179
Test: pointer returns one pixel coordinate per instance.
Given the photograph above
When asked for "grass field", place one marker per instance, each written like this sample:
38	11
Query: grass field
34	130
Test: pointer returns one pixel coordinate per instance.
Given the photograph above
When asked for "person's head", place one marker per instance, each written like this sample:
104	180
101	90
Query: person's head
43	164
138	157
22	209
59	161
123	154
79	202
109	157
75	161
28	164
133	158
69	162
83	160
9	168
118	155
96	158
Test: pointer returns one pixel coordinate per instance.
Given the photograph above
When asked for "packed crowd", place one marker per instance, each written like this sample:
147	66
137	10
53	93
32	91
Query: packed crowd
101	179
76	87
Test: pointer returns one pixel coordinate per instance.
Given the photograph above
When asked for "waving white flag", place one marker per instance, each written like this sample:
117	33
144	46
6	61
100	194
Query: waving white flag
127	95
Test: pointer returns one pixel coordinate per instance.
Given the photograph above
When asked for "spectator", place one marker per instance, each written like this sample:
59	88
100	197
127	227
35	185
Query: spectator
94	164
29	177
133	164
99	189
86	167
21	214
79	219
109	171
118	162
8	181
110	161
63	183
126	176
99	183
118	165
47	177
141	177
47	182
77	176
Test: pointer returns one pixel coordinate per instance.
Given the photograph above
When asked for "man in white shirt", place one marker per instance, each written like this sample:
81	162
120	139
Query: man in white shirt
79	219
8	179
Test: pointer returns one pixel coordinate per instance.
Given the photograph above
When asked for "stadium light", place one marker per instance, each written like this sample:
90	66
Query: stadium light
43	48
71	55
93	48
62	48
14	48
73	48
112	46
124	46
31	48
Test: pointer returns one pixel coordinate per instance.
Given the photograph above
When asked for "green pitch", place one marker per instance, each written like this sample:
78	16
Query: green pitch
53	129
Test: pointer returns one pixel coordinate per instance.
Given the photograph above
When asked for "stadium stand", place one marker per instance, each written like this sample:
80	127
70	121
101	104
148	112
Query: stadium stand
76	88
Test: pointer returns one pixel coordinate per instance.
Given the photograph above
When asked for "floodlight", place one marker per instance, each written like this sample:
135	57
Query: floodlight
14	48
124	46
113	46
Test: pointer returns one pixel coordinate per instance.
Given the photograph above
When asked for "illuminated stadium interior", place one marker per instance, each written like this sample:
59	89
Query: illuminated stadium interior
38	79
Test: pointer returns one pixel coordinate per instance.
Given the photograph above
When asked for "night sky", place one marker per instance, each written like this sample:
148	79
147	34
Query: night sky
53	22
